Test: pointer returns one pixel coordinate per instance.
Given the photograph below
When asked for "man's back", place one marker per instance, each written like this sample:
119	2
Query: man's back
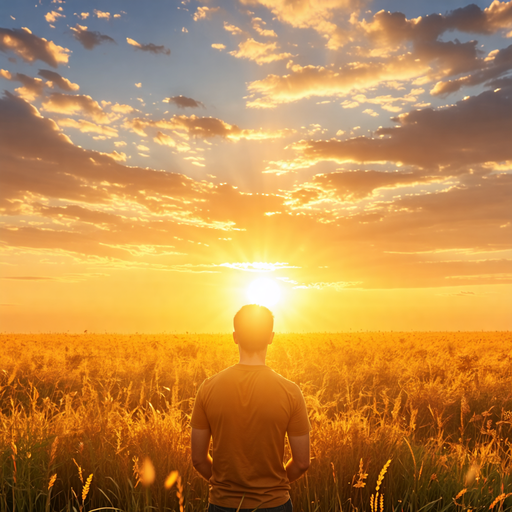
248	409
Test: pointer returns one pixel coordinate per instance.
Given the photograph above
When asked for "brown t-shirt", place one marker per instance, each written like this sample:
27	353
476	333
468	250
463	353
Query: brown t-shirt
248	409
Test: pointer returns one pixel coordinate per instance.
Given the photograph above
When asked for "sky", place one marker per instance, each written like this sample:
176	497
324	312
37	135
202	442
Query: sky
346	162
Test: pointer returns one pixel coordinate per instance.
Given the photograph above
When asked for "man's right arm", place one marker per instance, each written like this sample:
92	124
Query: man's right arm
201	460
299	463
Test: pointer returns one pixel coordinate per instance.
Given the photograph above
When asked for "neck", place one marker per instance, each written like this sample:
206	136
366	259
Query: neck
254	358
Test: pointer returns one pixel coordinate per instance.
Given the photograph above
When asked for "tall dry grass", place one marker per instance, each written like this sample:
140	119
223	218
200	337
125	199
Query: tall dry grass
437	405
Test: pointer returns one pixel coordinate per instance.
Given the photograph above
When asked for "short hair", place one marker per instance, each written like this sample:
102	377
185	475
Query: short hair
253	327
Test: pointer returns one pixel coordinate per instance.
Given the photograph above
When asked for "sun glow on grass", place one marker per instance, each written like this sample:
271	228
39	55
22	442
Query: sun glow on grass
264	291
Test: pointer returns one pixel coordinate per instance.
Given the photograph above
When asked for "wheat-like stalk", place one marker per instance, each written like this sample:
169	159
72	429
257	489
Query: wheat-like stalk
361	476
374	500
53	451
499	499
136	473
461	493
86	487
381	475
80	474
52	481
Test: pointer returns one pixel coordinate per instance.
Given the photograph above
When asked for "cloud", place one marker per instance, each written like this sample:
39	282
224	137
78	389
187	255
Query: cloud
101	14
89	207
184	102
429	59
261	53
393	28
232	29
218	46
352	185
149	47
122	109
88	127
75	104
204	13
32	87
473	131
89	38
38	158
498	63
307	81
203	127
52	16
257	26
30	47
314	14
62	83
386	101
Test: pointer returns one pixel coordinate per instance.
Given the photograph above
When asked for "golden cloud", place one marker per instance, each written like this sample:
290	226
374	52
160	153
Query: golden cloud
122	109
58	80
101	14
88	127
150	47
232	29
261	53
52	16
30	47
472	131
204	13
31	87
203	127
498	63
257	26
128	217
75	104
308	81
313	14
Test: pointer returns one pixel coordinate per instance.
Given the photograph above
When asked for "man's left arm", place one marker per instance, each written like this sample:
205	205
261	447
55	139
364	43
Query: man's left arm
201	459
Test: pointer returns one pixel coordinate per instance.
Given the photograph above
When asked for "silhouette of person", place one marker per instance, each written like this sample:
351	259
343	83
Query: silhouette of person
247	409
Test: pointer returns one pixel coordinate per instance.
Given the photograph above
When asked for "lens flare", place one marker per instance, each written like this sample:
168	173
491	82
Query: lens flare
264	291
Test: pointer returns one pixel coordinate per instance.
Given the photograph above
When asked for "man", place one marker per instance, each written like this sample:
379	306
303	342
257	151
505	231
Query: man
247	409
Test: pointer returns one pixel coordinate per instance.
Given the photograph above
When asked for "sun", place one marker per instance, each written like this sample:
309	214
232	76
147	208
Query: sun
264	291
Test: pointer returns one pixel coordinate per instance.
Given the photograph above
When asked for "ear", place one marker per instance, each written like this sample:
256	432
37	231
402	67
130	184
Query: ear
271	338
234	338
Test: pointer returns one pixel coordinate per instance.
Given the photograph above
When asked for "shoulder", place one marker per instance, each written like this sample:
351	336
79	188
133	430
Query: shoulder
209	382
290	386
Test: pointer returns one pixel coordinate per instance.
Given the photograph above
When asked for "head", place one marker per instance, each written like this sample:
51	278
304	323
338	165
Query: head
254	327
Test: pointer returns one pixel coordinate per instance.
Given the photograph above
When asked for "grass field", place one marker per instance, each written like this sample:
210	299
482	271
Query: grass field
437	405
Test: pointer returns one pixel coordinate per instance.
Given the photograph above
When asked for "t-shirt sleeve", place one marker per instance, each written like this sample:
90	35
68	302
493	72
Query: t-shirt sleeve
199	419
299	422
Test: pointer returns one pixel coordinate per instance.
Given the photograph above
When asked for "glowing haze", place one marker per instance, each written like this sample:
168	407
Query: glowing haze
351	159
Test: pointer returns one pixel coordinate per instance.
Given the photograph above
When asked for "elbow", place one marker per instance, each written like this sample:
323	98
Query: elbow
303	465
197	462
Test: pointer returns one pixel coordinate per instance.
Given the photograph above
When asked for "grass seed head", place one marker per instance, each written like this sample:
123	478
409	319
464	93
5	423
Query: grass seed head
87	486
52	481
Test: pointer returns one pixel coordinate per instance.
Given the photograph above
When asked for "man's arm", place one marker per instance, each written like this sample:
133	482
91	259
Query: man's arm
299	463
200	443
